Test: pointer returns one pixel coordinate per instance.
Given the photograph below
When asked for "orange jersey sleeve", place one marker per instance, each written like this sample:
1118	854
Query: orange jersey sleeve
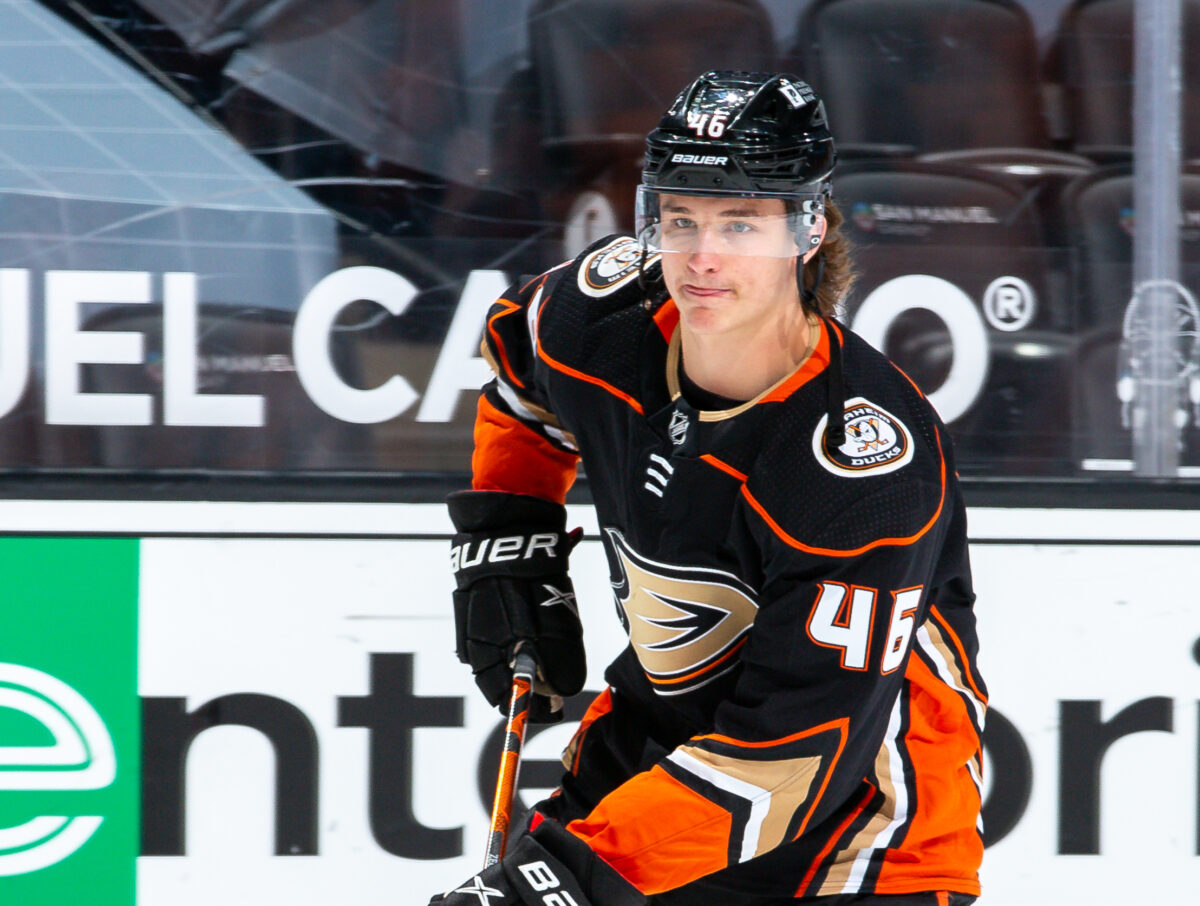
520	447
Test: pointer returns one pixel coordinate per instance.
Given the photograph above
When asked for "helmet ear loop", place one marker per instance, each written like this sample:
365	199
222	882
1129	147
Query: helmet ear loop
808	243
835	405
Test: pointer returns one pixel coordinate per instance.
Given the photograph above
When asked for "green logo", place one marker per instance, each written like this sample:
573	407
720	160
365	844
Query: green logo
69	721
81	757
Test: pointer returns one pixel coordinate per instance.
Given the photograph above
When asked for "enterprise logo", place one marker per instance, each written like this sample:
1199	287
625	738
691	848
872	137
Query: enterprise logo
81	757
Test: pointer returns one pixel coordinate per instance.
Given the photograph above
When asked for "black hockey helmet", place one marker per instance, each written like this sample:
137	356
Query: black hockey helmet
750	134
742	132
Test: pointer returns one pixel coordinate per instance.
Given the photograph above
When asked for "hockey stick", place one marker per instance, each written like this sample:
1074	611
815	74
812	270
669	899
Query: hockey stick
524	669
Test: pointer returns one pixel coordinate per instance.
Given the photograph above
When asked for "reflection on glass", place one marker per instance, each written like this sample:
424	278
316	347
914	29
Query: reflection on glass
364	178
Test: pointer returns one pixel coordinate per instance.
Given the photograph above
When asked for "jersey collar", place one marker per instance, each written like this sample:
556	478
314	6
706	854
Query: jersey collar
815	360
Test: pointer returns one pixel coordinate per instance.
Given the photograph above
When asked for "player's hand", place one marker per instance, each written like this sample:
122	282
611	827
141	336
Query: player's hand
548	866
510	565
524	878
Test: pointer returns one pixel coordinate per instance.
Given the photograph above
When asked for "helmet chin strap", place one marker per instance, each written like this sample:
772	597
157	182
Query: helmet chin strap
809	296
654	290
835	400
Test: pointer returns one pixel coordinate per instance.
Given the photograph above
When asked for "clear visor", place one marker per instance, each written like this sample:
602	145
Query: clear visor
758	226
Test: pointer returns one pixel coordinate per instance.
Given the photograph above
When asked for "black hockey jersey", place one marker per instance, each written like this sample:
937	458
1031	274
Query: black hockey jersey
798	711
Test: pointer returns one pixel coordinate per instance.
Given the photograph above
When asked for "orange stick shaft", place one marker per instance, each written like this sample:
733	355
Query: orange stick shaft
510	757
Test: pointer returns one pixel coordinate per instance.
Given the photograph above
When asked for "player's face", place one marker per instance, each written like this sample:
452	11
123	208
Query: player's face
729	263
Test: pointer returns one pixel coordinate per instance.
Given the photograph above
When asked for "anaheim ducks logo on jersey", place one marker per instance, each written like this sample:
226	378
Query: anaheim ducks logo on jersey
609	268
686	624
876	442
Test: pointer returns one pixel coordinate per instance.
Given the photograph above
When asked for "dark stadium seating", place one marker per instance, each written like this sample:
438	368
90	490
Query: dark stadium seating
995	351
1092	60
1102	219
924	75
601	74
607	69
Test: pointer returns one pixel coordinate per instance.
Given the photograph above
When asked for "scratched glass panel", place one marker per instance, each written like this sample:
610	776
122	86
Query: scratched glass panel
266	147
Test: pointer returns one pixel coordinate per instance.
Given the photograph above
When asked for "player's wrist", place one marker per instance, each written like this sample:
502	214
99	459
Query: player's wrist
509	535
479	511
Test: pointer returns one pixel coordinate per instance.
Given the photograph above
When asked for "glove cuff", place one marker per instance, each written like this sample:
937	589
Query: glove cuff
540	879
511	535
491	511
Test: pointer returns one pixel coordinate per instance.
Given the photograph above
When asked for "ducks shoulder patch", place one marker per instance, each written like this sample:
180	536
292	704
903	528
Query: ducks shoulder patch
876	442
611	267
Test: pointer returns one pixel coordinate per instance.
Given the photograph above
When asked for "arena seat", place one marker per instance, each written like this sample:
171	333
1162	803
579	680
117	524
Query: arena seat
1100	213
957	286
1092	61
924	75
604	71
607	69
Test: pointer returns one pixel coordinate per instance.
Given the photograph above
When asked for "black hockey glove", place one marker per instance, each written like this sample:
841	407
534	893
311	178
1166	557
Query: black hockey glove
548	867
510	565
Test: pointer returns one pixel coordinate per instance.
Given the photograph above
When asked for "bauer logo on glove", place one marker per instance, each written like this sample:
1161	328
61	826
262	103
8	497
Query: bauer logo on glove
500	550
510	568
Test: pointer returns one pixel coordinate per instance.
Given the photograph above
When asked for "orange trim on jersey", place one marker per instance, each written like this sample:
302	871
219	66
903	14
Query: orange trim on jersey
542	277
707	667
962	652
842	725
575	373
591	379
689	836
686	838
667	319
942	848
723	466
836	329
813	365
602	704
509	307
920	393
833	839
878	542
509	456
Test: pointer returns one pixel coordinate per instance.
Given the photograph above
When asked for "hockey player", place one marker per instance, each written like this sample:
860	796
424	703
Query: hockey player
798	712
